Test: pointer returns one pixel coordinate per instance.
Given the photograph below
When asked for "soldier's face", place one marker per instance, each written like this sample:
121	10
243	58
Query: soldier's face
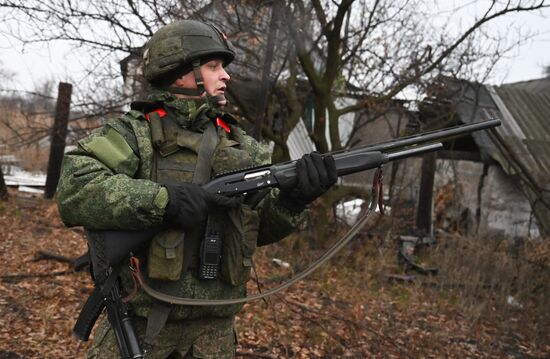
214	76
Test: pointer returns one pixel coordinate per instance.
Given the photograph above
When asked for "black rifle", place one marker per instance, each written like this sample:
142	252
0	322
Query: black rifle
118	245
106	295
117	313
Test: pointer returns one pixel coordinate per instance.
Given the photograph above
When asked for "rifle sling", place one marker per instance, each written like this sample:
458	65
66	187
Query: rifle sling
203	168
167	298
377	191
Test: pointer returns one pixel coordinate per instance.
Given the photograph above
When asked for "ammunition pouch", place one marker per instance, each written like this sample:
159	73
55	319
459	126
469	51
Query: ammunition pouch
239	245
165	260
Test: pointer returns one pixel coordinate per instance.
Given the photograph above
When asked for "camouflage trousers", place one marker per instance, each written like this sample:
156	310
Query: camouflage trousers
212	338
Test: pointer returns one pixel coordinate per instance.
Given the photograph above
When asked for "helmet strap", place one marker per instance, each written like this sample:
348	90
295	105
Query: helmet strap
198	76
214	101
198	79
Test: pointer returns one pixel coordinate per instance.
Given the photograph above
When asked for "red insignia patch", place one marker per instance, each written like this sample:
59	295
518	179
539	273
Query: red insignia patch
221	123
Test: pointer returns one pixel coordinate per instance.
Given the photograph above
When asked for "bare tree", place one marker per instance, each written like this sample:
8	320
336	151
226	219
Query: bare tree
258	88
102	33
368	50
383	48
27	116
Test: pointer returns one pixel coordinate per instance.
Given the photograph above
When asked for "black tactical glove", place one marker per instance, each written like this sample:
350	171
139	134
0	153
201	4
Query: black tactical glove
189	204
315	174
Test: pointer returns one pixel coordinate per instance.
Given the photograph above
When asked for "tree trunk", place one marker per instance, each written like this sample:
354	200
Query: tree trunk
334	130
266	71
295	110
58	135
3	189
280	154
425	197
394	166
319	128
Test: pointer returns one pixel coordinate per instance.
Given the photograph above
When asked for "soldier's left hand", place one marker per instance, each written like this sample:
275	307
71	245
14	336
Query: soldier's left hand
315	175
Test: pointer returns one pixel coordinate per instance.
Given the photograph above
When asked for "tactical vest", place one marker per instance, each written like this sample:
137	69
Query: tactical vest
172	259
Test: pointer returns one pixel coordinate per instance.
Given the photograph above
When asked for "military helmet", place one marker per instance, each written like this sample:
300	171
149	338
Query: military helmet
177	45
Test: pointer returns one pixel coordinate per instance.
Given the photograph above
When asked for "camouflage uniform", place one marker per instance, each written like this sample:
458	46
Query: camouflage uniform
111	181
200	338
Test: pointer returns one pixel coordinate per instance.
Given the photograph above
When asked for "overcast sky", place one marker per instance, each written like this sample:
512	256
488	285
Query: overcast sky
34	64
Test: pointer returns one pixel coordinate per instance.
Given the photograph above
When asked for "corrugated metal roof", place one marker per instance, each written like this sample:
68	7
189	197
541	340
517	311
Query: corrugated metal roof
531	114
523	141
522	144
534	86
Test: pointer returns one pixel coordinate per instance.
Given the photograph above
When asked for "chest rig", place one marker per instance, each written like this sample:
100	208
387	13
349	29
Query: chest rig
181	155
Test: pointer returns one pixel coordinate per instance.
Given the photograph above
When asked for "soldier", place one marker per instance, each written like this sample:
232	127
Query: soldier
144	169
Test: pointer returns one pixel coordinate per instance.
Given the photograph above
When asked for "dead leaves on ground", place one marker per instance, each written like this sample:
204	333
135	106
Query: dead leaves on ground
336	313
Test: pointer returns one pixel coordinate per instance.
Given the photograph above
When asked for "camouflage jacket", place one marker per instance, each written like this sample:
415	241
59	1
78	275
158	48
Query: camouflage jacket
106	184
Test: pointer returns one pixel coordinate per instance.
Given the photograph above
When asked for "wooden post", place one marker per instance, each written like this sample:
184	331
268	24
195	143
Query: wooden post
57	138
3	189
425	197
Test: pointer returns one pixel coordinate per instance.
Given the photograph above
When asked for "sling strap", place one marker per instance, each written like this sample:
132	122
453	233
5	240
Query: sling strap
354	230
203	168
167	298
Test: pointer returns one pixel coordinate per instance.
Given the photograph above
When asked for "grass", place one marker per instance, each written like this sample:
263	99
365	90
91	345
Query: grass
477	275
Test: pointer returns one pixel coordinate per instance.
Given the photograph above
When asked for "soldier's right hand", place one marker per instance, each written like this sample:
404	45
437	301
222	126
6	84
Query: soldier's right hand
189	204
